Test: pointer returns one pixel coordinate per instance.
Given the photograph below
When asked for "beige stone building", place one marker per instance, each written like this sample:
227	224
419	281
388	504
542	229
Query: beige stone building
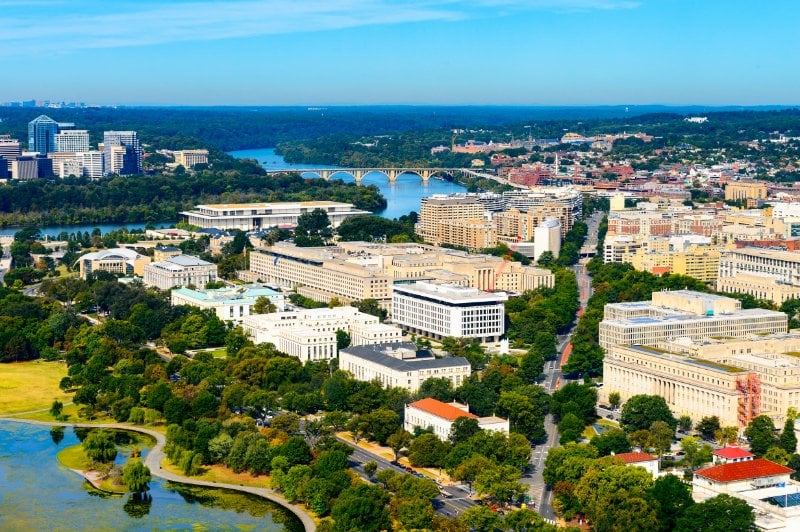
118	261
763	273
189	158
353	271
745	190
514	222
736	379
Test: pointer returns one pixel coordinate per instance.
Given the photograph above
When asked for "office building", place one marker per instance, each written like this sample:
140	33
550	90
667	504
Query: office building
189	158
763	273
439	417
119	261
181	270
229	304
72	140
24	168
353	271
547	238
441	310
310	334
684	313
516	223
10	148
42	132
5	170
401	365
122	153
66	164
257	216
92	163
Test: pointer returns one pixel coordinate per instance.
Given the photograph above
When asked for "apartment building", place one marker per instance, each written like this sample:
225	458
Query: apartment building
439	417
684	313
514	222
438	211
180	270
257	216
353	271
761	272
623	247
401	365
229	304
441	310
189	158
120	261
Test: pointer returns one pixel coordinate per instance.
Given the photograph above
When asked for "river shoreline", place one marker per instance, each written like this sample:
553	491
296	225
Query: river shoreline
155	456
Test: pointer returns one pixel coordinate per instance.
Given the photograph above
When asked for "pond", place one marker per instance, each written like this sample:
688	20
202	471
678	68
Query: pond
37	493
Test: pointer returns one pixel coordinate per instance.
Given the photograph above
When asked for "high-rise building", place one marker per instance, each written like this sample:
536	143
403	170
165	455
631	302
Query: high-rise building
9	148
4	168
92	162
72	140
42	132
131	162
547	237
24	168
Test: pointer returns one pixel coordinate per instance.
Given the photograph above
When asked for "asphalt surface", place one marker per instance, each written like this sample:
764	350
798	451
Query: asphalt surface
541	496
453	501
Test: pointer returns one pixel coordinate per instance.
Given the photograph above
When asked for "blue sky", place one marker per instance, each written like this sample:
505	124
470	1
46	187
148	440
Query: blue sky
327	52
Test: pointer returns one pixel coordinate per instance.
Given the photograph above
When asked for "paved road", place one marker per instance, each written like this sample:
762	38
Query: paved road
554	379
455	499
156	455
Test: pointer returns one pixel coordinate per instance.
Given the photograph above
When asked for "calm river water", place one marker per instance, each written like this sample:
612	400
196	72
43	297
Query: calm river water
38	493
402	197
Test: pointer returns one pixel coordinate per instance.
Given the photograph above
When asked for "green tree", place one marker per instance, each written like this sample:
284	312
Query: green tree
370	468
414	513
525	520
398	440
685	423
641	411
707	427
696	452
342	339
500	482
99	446
617	494
363	508
788	440
263	305
440	389
614	400
777	455
611	441
761	433
427	450
570	427
673	498
136	476
480	518
722	513
313	229
568	463
662	435
468	470
56	409
462	429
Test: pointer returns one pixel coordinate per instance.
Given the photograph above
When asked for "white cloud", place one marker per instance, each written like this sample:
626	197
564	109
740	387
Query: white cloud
116	24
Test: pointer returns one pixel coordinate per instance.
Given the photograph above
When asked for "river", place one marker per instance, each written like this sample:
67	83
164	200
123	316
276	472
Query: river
38	493
402	197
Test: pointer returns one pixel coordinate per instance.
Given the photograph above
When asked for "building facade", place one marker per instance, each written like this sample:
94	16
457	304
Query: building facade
42	132
189	158
439	417
72	140
119	261
257	216
401	365
441	310
229	304
763	273
122	153
181	270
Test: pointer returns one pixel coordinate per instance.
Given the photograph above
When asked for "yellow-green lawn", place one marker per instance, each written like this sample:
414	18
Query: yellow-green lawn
33	385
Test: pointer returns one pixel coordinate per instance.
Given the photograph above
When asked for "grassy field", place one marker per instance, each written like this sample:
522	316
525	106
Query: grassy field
74	458
218	473
26	386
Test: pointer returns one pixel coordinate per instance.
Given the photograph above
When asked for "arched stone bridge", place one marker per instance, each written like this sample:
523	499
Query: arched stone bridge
425	174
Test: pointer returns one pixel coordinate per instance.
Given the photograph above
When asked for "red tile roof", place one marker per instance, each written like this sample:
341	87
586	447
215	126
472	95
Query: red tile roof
440	409
634	457
733	452
730	472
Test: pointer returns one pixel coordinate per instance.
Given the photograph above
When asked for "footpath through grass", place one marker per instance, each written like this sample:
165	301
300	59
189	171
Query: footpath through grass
33	385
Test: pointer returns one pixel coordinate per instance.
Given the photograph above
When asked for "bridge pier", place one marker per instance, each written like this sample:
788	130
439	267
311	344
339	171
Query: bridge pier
425	175
325	174
358	175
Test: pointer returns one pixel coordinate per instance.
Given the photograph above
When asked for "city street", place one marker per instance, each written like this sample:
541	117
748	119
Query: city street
454	501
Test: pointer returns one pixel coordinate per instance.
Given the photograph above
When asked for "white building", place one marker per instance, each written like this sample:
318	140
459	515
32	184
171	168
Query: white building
72	140
639	459
684	313
92	163
181	270
256	216
441	310
310	334
117	260
230	304
401	365
547	237
432	414
66	164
